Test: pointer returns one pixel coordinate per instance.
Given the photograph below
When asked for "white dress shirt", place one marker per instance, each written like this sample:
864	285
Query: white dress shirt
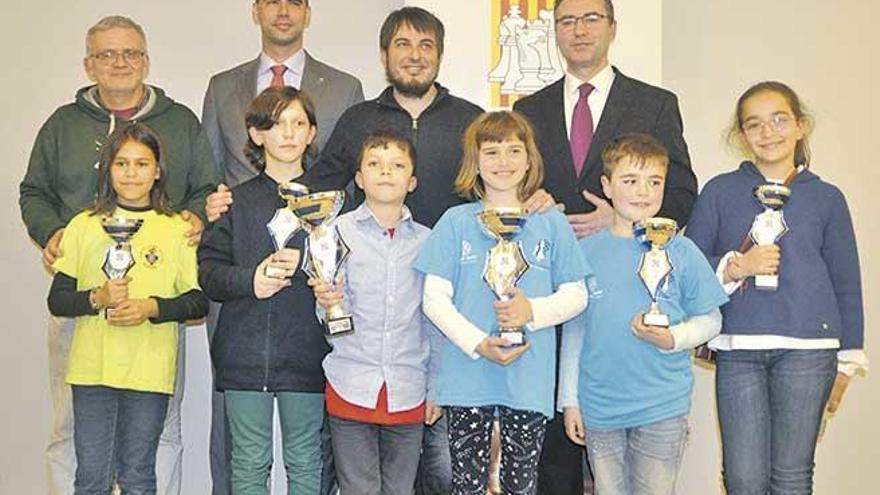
601	82
292	76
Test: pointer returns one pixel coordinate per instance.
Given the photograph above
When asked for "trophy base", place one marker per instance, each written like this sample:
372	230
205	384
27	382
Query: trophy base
514	336
655	320
338	327
767	282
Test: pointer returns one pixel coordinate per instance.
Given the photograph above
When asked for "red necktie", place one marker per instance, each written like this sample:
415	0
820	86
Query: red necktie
278	76
581	129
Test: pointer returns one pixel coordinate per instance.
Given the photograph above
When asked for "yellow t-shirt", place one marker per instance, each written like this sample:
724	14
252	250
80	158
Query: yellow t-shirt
142	357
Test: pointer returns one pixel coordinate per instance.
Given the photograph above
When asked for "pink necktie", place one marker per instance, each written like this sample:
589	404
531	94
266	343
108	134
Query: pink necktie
278	76
581	129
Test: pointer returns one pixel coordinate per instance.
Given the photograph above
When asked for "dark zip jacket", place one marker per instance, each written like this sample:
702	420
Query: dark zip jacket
436	135
273	344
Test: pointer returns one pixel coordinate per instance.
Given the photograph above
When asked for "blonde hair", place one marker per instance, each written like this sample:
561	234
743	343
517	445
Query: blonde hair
495	127
640	149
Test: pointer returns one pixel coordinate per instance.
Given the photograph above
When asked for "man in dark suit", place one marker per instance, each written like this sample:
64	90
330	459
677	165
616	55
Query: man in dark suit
574	119
282	61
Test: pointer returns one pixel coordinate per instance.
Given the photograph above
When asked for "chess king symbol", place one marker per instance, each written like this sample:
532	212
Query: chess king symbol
528	59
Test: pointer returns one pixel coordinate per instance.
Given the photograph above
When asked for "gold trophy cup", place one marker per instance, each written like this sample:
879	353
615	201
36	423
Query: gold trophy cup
654	267
505	263
325	251
284	223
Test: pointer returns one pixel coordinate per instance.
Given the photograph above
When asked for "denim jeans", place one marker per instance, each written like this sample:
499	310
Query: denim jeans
641	460
434	476
770	406
250	415
60	454
116	431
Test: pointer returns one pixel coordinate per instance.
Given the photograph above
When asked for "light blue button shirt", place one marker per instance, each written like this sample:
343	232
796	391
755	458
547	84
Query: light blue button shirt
392	341
292	76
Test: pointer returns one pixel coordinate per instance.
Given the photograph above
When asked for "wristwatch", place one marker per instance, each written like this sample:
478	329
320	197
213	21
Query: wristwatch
93	301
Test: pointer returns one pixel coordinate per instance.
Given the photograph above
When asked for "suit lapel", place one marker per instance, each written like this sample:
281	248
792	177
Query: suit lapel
313	82
557	137
247	85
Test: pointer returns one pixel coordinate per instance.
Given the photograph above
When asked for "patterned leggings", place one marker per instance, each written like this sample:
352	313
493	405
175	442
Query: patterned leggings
470	431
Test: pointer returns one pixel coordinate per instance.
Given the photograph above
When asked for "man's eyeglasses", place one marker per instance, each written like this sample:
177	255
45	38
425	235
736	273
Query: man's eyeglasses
108	57
779	123
590	19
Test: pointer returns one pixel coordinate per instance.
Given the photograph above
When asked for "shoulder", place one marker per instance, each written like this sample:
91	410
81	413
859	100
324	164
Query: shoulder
82	220
641	88
330	73
722	182
826	190
457	215
228	76
461	105
540	97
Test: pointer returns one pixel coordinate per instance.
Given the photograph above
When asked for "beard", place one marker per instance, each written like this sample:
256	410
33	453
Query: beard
413	87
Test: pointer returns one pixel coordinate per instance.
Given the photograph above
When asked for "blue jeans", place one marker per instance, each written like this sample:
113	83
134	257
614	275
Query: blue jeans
770	406
250	415
641	460
116	431
434	476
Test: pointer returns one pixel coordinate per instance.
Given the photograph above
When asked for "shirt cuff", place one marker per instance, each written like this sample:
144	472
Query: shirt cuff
731	287
852	361
569	300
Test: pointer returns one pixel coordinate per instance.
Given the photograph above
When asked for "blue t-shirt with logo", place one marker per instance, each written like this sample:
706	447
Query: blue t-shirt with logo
457	251
624	381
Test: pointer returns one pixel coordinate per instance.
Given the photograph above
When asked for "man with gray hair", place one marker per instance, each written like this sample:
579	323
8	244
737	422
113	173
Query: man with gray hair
61	180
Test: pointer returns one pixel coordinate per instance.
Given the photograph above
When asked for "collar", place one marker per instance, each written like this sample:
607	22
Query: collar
601	81
295	64
363	214
386	98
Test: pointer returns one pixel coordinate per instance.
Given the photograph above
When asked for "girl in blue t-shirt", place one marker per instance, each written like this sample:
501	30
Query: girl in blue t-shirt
782	353
481	373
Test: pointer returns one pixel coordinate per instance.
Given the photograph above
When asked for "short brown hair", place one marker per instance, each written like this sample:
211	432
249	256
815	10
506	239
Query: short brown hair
640	149
385	138
417	18
495	127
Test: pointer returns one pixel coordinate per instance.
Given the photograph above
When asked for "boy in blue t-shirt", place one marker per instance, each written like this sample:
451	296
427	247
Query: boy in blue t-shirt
625	386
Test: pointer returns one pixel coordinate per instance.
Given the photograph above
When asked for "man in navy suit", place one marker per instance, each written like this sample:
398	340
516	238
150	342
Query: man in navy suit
282	26
571	119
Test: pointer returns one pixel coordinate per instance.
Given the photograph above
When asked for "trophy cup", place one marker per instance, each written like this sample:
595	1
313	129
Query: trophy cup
284	223
505	263
118	260
655	233
769	225
325	251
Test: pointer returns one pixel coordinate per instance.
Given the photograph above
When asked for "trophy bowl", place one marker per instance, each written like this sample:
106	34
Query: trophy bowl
316	209
655	231
655	266
120	229
772	196
503	223
290	189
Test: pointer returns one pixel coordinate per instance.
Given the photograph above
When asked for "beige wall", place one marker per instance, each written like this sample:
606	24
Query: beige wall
712	51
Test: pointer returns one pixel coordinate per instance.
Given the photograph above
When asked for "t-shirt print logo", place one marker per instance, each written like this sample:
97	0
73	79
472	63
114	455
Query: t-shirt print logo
542	249
153	257
467	254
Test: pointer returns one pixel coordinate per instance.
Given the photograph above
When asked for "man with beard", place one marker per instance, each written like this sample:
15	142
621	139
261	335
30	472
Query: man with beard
417	107
282	61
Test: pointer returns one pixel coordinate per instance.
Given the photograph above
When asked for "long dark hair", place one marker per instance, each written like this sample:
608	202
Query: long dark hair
736	137
106	200
264	112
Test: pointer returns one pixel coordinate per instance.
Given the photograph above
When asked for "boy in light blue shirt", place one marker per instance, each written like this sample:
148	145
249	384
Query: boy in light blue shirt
625	386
